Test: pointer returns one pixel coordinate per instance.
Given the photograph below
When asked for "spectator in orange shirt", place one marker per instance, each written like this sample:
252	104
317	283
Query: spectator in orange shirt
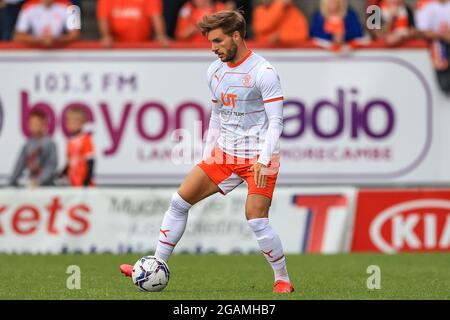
397	22
130	21
279	22
80	150
188	17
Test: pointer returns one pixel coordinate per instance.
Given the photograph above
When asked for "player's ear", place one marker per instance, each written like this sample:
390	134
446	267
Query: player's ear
236	36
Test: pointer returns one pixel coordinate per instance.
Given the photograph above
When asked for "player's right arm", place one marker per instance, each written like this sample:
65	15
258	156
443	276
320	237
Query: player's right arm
214	121
213	130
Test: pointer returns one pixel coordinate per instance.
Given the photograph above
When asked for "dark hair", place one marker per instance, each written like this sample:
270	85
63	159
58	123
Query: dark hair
228	21
41	115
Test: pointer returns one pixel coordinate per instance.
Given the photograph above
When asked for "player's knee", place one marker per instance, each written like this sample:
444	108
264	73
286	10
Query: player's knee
256	211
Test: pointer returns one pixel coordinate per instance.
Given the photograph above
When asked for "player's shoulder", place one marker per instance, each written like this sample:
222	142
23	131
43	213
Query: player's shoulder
215	66
265	69
263	64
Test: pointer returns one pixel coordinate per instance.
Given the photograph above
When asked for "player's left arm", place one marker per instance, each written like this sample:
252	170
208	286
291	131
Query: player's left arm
269	84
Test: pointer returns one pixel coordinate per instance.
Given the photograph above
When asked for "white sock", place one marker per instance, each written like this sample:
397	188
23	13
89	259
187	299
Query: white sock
271	246
172	227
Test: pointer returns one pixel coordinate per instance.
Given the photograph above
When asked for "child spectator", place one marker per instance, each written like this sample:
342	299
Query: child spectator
37	162
131	21
397	22
433	23
80	150
336	24
190	14
279	22
45	23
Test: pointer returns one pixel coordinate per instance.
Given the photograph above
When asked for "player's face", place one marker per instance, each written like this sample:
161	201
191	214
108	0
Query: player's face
37	126
224	46
74	122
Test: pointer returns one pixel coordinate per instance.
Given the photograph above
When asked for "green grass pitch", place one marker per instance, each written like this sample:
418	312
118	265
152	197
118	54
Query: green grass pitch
403	276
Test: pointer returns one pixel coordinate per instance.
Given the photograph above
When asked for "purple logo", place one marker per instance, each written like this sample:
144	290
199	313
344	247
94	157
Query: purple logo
352	117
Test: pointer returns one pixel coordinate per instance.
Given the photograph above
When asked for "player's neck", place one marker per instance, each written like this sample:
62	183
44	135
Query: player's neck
242	54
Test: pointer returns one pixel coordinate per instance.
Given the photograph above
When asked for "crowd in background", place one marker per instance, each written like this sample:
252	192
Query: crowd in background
269	21
335	25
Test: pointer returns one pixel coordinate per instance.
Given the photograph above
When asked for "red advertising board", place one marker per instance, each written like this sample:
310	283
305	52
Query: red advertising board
412	220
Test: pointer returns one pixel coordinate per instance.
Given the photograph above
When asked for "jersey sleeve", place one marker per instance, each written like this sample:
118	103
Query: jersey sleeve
268	83
423	18
23	21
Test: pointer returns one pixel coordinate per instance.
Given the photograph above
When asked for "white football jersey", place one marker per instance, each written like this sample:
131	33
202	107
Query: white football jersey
239	92
39	20
434	16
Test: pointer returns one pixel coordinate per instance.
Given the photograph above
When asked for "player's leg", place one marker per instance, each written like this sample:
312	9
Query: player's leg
207	178
194	188
257	213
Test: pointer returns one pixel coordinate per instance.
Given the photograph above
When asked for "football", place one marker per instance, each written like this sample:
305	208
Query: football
150	274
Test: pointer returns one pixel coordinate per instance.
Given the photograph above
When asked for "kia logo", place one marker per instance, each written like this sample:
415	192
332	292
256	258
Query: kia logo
405	217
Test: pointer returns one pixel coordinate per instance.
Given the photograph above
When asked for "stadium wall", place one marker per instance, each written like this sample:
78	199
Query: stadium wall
370	117
323	220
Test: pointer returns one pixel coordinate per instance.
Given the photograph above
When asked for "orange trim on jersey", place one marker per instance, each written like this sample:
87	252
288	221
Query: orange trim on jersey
237	64
273	100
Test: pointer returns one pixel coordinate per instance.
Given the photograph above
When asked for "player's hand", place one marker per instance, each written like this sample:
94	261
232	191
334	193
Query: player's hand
260	174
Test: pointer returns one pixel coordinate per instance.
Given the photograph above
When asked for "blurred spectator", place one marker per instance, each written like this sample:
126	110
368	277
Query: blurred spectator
422	3
9	10
336	24
246	7
37	162
433	23
190	14
397	22
80	150
279	22
131	21
45	23
172	10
